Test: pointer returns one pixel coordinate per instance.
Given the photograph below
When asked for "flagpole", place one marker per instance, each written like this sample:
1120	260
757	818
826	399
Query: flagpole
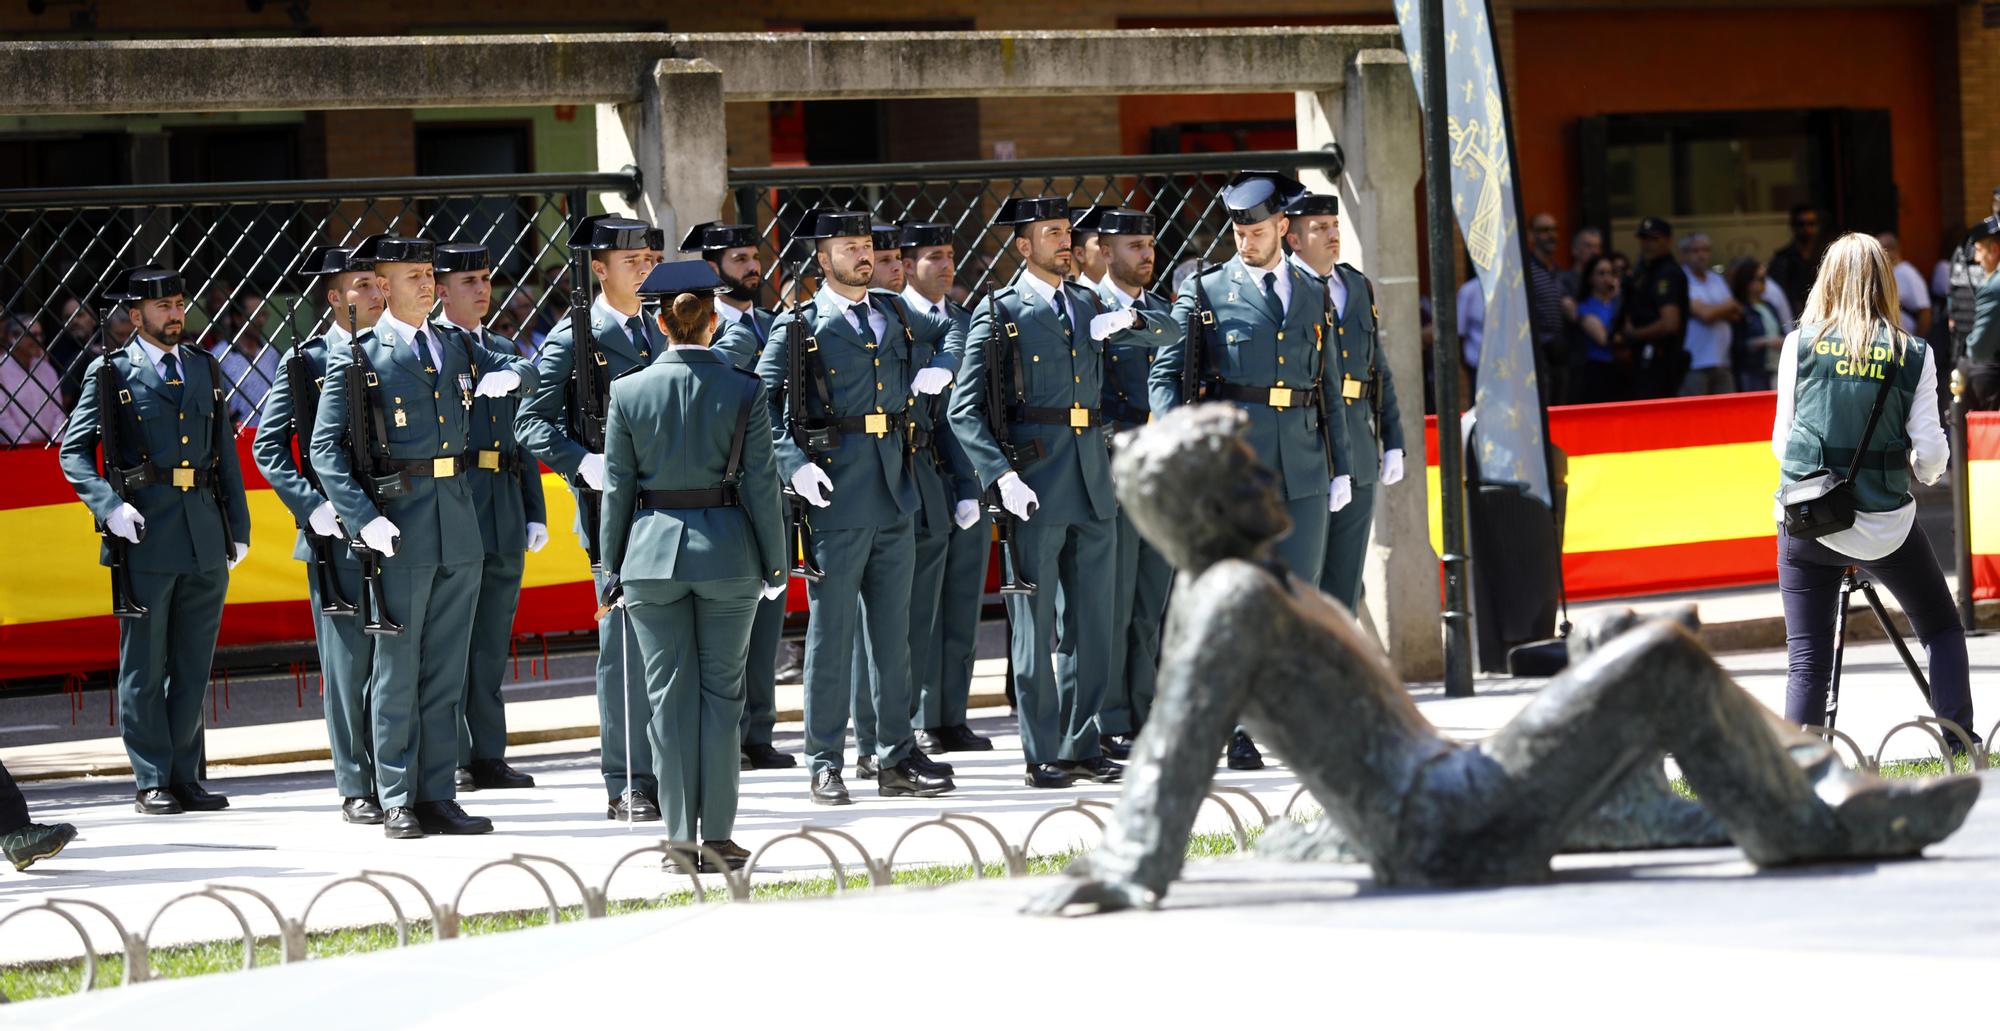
1457	616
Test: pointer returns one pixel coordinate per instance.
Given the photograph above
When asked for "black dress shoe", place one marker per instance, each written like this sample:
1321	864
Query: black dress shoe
401	822
927	741
1096	768
930	765
958	738
1116	746
157	802
1243	754
866	767
829	789
791	668
1049	775
733	854
496	775
633	806
462	779
363	810
448	818
907	780
196	799
764	757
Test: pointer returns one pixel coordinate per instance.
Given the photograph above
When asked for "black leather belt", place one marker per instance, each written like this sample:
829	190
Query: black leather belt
1125	413
181	476
880	424
497	461
1352	389
1076	417
439	467
1276	397
725	496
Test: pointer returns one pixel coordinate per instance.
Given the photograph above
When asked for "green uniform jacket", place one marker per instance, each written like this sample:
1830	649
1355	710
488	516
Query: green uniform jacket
507	500
1126	401
426	419
1830	409
670	428
1250	345
271	448
740	344
1983	344
1358	333
872	485
184	528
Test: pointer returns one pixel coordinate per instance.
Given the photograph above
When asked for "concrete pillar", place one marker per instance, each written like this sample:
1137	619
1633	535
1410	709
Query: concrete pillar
678	136
1374	117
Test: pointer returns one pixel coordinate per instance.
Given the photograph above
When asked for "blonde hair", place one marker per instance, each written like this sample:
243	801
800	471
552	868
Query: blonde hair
1854	297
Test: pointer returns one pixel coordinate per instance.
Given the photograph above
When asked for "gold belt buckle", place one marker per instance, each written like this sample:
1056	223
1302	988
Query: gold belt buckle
1350	388
444	467
876	423
489	460
184	479
1281	397
1079	417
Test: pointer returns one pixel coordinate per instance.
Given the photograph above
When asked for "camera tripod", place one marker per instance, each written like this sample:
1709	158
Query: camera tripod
1851	580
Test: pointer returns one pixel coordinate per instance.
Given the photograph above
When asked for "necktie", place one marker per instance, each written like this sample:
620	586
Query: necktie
170	369
422	346
861	319
756	327
1271	294
635	328
1062	312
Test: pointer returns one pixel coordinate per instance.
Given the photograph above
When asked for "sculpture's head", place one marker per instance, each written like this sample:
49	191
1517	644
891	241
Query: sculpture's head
1193	487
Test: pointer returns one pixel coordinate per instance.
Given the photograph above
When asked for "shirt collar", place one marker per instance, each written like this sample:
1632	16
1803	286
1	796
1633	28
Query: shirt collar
154	354
1306	268
471	331
1109	287
603	307
728	314
1278	266
1039	286
335	335
401	331
826	298
916	300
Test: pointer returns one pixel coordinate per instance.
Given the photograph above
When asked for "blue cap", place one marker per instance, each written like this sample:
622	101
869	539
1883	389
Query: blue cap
672	278
331	261
1314	204
834	223
718	236
925	234
1252	197
1121	221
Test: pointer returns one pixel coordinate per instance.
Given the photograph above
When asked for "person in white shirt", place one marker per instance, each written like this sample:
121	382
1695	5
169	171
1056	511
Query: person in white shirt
1713	308
1847	357
1913	294
31	409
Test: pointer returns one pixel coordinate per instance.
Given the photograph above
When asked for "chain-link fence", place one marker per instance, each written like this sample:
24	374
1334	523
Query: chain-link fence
1181	191
236	244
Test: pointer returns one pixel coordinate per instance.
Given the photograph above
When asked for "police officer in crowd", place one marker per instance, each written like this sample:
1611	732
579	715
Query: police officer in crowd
841	429
1654	320
1367	393
1256	331
1039	441
1982	341
622	252
333	574
692	538
171	494
506	487
1125	239
942	668
407	493
741	332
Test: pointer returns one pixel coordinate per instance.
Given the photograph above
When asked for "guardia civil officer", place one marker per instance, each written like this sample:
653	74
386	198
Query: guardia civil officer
742	328
943	669
1087	250
506	484
333	574
692	538
1027	409
171	494
553	424
402	481
841	429
1255	331
1367	393
1125	239
1982	341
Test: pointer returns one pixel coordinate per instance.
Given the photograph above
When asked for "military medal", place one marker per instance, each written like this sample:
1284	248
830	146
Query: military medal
401	419
465	389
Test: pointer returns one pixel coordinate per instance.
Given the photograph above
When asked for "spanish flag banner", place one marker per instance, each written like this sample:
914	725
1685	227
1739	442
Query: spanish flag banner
1982	452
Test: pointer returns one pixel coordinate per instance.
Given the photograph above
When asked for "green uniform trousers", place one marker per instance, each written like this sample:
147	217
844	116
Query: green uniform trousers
1303	551
482	729
926	580
418	682
1072	564
691	638
1141	605
871	565
163	666
944	686
620	691
1347	548
345	654
760	675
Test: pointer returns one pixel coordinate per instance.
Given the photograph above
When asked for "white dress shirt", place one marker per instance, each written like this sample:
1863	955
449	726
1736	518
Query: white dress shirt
157	356
918	301
1118	296
1283	285
401	333
877	325
1336	285
616	317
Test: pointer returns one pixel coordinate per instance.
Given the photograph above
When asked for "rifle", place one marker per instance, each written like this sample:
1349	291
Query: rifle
1196	356
305	411
1004	522
368	449
110	422
813	438
589	390
1326	409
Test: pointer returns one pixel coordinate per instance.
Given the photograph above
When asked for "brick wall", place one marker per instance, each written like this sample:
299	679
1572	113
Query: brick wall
1979	102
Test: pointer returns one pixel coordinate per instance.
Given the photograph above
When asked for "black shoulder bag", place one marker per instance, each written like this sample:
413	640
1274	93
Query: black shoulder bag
1822	501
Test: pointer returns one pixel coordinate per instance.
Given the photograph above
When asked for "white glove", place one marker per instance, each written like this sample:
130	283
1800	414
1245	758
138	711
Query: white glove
381	536
237	550
966	513
1018	497
1392	467
538	536
126	522
930	381
1102	327
771	592
323	522
592	471
1339	493
498	384
813	484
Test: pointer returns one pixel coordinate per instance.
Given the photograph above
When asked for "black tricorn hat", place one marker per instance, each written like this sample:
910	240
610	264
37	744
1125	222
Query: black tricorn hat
1252	197
833	223
1985	228
331	261
1019	211
388	247
1122	222
616	233
1314	204
1084	220
887	237
145	283
461	257
672	278
925	234
718	236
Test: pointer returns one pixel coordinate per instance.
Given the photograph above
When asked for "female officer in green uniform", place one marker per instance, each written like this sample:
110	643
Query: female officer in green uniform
692	539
